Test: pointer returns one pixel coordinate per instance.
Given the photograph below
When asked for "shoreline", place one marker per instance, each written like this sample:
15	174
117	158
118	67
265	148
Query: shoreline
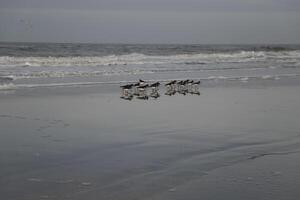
104	87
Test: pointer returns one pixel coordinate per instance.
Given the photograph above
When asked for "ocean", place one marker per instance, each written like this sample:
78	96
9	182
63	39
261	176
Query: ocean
27	65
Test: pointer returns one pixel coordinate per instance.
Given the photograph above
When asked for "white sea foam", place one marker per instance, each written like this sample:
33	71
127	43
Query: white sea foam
272	67
244	79
216	64
7	78
9	86
267	77
140	59
247	78
211	77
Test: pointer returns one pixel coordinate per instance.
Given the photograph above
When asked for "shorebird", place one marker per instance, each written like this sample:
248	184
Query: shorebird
136	85
126	91
197	83
171	85
154	87
171	88
156	84
181	87
135	88
154	90
141	82
142	92
168	86
128	86
187	81
195	87
143	86
190	86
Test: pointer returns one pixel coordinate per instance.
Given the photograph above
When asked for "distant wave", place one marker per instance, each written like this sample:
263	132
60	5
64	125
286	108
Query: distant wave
6	83
142	59
119	72
6	79
141	64
9	86
273	48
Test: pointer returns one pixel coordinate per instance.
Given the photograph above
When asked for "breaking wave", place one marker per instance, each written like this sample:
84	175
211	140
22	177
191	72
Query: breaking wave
9	86
142	59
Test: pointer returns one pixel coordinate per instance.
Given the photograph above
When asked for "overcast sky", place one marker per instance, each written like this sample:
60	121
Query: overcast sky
151	21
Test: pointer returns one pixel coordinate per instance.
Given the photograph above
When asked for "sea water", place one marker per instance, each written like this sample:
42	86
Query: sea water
43	64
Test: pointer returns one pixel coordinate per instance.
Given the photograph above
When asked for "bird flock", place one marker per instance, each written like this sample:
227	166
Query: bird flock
143	90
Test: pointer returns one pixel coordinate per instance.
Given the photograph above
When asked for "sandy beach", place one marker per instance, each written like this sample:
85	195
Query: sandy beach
234	141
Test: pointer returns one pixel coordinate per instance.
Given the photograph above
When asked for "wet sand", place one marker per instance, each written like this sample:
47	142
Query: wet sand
231	142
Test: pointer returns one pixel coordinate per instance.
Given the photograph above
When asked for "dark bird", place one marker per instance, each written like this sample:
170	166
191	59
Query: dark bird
136	84
143	86
187	81
155	84
180	82
197	83
128	86
170	83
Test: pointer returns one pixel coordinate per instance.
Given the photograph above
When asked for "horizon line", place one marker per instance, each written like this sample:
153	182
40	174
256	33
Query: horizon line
137	43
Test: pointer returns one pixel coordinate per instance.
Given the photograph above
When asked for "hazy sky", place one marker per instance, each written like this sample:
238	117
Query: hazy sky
151	21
